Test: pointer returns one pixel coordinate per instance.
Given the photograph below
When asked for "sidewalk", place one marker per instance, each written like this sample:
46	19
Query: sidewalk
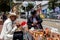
51	23
52	20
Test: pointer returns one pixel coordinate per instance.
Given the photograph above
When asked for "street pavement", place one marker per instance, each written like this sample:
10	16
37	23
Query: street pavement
50	24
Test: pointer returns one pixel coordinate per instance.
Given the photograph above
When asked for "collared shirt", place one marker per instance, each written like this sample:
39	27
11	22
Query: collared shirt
7	30
34	20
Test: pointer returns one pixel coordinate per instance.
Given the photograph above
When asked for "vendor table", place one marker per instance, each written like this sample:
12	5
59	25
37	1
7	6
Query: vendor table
41	35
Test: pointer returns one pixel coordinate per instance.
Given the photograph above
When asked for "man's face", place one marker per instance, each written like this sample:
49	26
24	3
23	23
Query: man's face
13	18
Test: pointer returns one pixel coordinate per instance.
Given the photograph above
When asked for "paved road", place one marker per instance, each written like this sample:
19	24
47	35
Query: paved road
52	24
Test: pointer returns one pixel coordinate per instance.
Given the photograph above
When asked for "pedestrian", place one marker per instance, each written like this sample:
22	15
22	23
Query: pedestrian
34	21
8	27
57	10
15	9
4	16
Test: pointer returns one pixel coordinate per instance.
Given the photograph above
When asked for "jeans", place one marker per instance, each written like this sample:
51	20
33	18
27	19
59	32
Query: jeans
27	36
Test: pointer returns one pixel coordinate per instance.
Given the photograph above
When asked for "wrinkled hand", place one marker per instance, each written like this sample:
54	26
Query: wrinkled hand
32	24
17	24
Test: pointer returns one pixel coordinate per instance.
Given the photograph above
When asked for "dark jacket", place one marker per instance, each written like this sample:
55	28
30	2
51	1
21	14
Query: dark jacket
30	22
4	17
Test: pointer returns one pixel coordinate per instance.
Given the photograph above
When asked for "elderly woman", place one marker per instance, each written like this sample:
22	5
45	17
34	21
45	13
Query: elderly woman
8	27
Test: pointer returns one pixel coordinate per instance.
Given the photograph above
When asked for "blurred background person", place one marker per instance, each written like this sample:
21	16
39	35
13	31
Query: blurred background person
57	9
15	9
34	21
4	16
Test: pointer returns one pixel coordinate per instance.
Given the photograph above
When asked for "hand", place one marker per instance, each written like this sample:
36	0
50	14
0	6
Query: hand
32	24
17	24
35	22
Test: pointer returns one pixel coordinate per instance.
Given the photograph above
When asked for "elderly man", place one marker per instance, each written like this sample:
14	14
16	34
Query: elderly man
8	27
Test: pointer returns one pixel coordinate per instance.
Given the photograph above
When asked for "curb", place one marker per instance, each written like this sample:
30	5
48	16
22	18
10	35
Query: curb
51	20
